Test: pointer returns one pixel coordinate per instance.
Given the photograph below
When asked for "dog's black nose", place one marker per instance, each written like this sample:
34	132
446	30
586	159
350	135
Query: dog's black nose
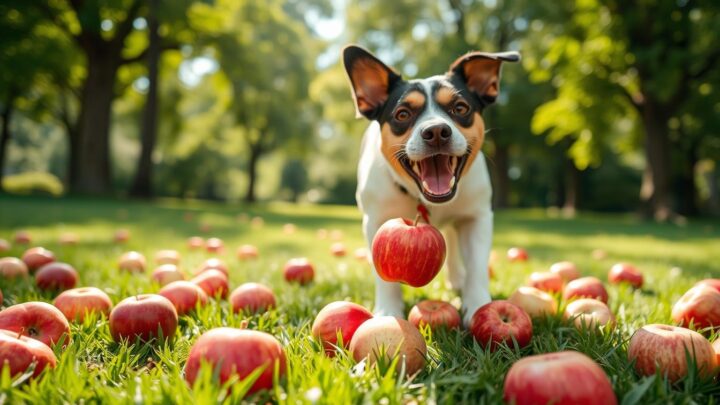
437	135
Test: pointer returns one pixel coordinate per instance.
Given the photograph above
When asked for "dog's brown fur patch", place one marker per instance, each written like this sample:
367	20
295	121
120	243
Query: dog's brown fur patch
475	135
415	99
391	146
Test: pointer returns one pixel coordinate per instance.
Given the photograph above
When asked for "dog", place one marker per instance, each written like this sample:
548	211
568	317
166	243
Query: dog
423	147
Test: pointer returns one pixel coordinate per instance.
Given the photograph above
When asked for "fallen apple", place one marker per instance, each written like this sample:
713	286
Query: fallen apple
710	282
144	317
167	256
167	273
568	271
38	320
516	254
121	236
667	348
625	273
19	352
546	281
213	282
535	302
338	249
77	303
408	252
585	287
184	295
589	313
196	242
436	314
338	318
699	306
22	238
214	264
559	378
214	245
68	239
253	298
386	337
37	257
501	322
12	267
247	252
361	254
132	262
299	270
56	276
237	352
4	245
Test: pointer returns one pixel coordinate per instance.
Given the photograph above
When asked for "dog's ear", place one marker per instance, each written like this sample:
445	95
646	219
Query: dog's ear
371	80
481	72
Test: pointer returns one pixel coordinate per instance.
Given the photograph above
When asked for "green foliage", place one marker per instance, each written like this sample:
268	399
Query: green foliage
33	183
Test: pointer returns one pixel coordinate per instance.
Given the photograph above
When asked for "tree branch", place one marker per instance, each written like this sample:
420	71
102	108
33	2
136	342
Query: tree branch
126	26
709	64
143	54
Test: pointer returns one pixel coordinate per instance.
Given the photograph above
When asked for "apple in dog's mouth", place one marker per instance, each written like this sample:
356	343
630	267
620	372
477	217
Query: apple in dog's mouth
436	176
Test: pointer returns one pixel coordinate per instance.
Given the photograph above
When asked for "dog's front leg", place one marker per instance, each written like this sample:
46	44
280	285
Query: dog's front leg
475	237
388	296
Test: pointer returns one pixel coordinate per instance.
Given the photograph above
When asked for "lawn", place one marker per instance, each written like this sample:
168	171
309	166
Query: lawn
94	369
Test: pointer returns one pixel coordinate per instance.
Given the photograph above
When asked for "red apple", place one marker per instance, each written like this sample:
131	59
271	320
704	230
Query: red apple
716	347
339	317
167	256
196	242
37	257
121	236
710	282
299	270
252	297
56	276
408	253
167	273
143	316
561	378
213	263
567	270
12	267
700	306
213	282
4	245
184	295
214	245
535	302
68	239
389	336
22	238
516	254
585	287
19	352
589	313
338	249
546	281
246	252
38	320
237	352
133	262
501	322
75	304
437	314
664	347
625	273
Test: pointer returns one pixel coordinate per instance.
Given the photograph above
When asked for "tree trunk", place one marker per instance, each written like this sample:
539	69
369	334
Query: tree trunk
499	168
142	185
686	190
655	191
5	136
255	152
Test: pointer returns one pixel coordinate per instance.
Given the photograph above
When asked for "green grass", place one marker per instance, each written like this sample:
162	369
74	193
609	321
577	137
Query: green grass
94	369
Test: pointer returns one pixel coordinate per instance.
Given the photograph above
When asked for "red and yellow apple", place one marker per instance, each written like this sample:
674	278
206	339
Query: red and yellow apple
184	295
4	245
196	242
338	318
546	281
144	317
710	282
585	287
436	314
237	352
568	271
214	245
12	267
37	257
77	303
132	262
665	348
22	238
535	302
699	306
589	313
299	270
167	256
68	239
625	273
388	336
338	249
247	252
213	282
560	378
19	352
56	276
252	297
213	263
121	236
501	322
361	254
517	254
409	253
38	320
166	274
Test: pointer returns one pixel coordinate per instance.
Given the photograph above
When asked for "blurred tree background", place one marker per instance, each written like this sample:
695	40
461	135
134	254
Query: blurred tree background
615	106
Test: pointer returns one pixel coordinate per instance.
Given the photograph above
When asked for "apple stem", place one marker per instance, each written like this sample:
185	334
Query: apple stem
417	219
422	212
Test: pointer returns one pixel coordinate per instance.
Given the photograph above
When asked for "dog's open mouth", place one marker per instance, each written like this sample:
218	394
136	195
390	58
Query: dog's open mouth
436	176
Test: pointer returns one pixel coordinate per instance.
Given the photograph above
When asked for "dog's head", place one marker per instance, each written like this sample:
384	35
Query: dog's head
432	128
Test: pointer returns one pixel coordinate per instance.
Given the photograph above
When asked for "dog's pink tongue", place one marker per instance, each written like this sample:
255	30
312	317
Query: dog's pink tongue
436	174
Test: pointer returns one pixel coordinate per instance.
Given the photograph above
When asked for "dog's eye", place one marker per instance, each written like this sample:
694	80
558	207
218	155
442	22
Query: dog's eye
461	108
402	114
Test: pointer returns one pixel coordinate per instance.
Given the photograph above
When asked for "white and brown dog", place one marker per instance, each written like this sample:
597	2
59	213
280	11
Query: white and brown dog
423	146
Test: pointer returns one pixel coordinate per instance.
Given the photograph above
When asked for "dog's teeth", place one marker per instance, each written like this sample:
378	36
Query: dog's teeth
453	163
415	168
426	186
452	182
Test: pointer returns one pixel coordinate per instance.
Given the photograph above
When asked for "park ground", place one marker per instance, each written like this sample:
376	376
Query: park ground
94	369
